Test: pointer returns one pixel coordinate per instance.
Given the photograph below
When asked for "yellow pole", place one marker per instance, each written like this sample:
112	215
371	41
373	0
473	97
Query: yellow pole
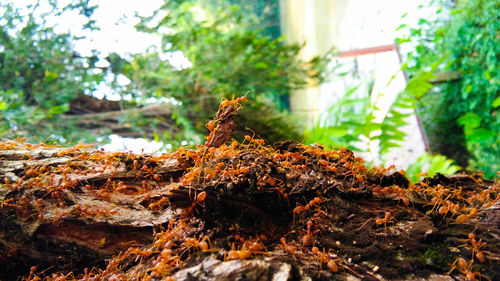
315	23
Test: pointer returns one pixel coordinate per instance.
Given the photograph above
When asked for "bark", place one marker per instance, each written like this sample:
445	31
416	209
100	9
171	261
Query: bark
103	117
256	212
59	209
108	119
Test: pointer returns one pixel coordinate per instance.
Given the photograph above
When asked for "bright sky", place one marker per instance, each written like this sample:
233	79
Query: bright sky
116	20
365	23
369	23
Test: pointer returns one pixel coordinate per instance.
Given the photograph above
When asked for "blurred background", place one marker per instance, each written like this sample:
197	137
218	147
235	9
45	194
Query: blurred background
414	84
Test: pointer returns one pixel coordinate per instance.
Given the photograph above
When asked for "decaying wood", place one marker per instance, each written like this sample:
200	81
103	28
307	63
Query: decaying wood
223	125
255	211
63	216
234	211
110	120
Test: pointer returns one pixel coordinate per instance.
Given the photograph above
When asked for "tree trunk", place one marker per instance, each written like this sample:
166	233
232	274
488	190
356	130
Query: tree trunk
237	211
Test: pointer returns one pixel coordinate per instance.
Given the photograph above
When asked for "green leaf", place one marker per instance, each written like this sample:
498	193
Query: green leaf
480	135
466	42
431	164
261	65
440	164
403	40
49	75
487	75
337	131
469	120
156	137
59	109
496	102
401	26
3	105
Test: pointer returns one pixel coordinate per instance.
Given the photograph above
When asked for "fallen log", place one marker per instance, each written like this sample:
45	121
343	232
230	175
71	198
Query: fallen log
238	211
254	210
65	207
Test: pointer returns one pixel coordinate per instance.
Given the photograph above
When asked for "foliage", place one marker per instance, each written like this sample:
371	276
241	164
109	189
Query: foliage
343	123
461	116
40	73
225	56
266	13
351	120
432	164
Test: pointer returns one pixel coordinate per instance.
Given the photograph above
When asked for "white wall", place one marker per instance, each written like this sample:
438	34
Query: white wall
348	25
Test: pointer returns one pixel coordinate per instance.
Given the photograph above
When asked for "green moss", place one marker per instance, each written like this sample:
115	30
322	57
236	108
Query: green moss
436	257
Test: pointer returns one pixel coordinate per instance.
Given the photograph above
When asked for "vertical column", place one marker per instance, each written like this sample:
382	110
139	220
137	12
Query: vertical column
314	23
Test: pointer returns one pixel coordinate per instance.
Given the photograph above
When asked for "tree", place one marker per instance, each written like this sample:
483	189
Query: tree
162	101
226	57
460	116
40	72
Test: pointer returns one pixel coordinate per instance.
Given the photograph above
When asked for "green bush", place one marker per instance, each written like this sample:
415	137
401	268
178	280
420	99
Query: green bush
40	74
461	116
228	56
429	165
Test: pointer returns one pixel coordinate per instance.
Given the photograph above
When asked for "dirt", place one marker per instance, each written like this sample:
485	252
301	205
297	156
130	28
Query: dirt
262	194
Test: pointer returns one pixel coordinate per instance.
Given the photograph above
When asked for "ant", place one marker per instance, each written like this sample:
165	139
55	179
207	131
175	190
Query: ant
450	206
140	254
301	209
210	125
189	177
200	200
476	246
203	244
378	221
307	239
159	203
234	101
287	247
165	263
387	218
324	257
256	141
463	217
465	268
241	254
250	247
